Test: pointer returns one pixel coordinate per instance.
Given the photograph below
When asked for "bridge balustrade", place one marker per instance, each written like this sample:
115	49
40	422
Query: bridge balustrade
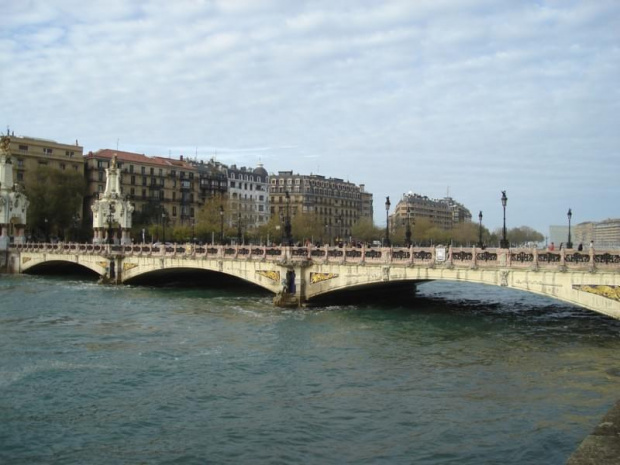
413	256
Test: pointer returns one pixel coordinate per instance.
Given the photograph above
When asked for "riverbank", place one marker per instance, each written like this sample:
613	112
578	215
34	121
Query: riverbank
602	446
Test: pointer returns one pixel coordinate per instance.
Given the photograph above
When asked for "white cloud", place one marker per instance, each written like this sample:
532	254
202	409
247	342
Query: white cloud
398	95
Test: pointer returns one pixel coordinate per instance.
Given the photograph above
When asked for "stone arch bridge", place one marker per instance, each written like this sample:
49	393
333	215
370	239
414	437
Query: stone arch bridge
299	275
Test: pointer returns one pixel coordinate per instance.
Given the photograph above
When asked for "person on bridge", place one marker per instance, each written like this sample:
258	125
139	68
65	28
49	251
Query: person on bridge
552	247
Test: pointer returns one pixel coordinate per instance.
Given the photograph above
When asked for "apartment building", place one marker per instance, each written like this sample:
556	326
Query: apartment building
338	204
172	188
444	213
29	153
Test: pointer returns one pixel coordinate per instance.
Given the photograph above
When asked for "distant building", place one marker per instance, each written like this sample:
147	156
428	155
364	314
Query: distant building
248	196
29	153
604	234
444	213
337	204
174	187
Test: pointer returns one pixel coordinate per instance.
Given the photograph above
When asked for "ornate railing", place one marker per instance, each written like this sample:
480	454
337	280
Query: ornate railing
398	256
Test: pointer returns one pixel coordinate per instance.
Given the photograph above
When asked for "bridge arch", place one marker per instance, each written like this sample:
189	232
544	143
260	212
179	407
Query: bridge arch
36	264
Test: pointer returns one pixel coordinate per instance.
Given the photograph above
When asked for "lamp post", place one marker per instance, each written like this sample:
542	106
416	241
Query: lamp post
504	242
75	219
163	226
569	244
111	212
408	230
387	221
47	234
221	225
480	229
287	224
193	230
239	228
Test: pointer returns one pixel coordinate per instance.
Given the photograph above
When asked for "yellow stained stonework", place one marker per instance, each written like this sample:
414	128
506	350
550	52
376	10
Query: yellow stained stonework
273	275
610	292
26	259
129	266
103	264
320	277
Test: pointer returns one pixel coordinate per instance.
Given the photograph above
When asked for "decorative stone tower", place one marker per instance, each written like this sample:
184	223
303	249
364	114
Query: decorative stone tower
13	203
111	211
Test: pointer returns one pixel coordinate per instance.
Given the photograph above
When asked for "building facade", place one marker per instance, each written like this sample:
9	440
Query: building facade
336	204
604	234
444	213
30	153
171	188
248	196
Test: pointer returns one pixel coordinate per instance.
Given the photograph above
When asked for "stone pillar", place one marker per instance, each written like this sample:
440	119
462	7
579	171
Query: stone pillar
4	237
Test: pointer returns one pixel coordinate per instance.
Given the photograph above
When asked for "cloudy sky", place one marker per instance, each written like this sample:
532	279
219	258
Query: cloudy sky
469	97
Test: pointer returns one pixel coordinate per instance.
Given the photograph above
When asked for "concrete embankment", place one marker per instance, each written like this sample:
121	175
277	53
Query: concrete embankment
602	446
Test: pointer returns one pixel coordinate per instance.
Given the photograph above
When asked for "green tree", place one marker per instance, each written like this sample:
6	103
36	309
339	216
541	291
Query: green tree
56	198
210	218
366	231
521	235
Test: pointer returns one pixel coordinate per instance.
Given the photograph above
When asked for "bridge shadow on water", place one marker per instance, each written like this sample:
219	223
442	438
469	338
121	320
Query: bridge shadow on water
181	278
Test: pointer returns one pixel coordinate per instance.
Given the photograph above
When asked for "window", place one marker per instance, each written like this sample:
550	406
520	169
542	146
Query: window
76	168
20	176
174	211
142	170
161	172
47	151
132	191
131	168
20	163
23	148
152	171
100	164
133	180
100	176
100	188
63	166
69	153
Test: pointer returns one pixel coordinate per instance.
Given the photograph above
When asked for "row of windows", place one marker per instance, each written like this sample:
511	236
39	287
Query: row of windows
245	177
46	150
310	182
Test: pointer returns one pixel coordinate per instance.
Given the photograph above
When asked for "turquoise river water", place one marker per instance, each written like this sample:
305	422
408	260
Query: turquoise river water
464	374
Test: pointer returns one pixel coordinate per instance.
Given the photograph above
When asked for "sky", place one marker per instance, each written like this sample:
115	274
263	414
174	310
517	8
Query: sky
464	98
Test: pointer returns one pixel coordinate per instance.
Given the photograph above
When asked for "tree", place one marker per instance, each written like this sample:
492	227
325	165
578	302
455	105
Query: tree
521	235
56	198
366	231
211	218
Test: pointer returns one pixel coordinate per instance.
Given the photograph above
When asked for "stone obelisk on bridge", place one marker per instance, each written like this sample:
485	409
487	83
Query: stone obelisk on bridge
112	211
13	203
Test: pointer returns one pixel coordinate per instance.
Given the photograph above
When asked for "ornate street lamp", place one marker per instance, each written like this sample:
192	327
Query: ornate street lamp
569	244
163	226
408	230
387	221
239	228
504	242
288	230
480	229
221	225
47	234
75	220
